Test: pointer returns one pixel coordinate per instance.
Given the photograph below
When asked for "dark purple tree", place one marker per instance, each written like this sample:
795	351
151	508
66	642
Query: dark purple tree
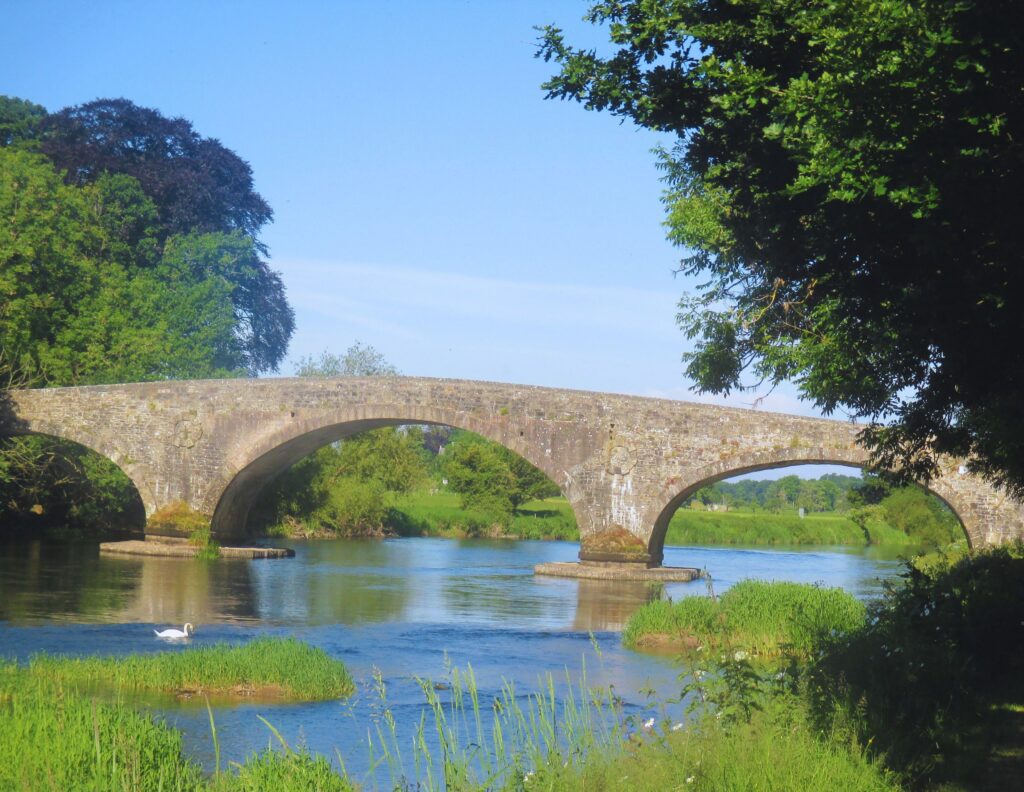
205	201
197	184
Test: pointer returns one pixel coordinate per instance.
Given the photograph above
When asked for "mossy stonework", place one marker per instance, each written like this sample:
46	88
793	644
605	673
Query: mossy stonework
177	519
623	462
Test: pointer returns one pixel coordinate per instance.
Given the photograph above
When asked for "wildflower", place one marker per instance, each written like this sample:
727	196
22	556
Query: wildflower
689	779
527	777
740	655
676	726
649	724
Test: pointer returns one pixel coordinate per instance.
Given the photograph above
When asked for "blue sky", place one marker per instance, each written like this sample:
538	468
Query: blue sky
427	199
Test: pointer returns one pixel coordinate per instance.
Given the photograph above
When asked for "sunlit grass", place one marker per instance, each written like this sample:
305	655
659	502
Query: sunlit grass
579	740
690	527
776	750
440	514
51	738
266	666
753	616
54	738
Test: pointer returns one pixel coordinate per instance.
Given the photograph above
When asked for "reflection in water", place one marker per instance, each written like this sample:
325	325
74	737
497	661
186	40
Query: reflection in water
183	589
417	581
60	580
606	605
72	581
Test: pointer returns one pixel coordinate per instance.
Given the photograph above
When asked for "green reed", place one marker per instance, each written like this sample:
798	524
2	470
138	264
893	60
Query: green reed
282	666
52	737
753	616
462	743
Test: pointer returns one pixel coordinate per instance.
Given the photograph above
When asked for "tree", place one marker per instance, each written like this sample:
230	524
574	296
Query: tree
846	180
19	121
89	300
491	478
192	198
359	360
480	477
197	184
98	288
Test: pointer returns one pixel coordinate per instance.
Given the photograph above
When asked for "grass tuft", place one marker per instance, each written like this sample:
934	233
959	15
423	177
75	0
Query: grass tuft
266	666
766	619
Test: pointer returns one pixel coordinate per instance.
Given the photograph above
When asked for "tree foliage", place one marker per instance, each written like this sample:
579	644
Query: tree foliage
490	478
19	121
909	509
177	212
346	487
359	360
846	181
197	184
89	299
128	252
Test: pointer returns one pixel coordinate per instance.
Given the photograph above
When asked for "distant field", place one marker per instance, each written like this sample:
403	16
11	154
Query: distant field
689	527
439	514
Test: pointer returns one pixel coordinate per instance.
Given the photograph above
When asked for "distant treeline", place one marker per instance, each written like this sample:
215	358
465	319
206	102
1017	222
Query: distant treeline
831	492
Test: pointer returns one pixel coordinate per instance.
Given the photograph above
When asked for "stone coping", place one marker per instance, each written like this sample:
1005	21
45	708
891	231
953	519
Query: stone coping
180	549
567	569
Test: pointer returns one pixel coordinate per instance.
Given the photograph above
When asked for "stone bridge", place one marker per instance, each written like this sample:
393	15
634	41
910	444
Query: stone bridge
623	462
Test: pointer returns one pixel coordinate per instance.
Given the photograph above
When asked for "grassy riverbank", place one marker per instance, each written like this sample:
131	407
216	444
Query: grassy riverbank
267	667
689	527
928	681
424	513
755	617
57	733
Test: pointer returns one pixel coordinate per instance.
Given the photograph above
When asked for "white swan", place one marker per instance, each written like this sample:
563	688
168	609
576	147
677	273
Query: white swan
184	633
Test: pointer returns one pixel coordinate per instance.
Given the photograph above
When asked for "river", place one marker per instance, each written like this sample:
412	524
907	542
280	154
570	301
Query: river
405	608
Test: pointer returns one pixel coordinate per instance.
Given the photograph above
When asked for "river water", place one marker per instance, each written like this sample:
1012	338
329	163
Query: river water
401	608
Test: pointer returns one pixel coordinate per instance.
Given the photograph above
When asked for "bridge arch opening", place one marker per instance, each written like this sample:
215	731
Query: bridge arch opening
820	489
255	498
52	482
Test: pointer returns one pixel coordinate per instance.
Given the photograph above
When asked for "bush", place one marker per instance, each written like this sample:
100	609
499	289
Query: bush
921	678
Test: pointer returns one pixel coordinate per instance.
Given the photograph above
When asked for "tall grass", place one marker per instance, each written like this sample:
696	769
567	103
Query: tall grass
753	616
282	666
461	744
777	749
582	742
54	739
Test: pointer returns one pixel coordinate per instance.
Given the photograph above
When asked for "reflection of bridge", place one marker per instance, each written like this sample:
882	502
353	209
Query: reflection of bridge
624	463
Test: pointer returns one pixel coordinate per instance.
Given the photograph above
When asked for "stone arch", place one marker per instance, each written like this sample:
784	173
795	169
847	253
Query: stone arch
99	449
258	462
769	460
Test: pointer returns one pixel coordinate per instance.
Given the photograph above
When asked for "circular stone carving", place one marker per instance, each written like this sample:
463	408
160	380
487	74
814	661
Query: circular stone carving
621	460
187	432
